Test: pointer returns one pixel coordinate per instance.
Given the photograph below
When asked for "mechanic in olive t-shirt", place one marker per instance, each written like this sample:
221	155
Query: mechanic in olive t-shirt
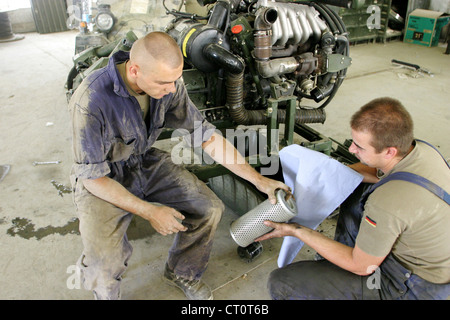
392	243
410	221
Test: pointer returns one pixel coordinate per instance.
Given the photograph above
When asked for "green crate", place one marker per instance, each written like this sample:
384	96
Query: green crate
424	27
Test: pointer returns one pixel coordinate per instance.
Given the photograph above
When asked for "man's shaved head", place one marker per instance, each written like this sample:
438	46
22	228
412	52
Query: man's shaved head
155	64
156	47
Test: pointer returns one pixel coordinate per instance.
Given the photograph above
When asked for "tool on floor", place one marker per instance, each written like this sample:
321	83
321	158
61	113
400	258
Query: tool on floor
411	66
4	169
38	163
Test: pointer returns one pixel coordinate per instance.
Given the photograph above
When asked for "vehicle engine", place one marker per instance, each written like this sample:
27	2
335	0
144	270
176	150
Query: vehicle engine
252	62
252	57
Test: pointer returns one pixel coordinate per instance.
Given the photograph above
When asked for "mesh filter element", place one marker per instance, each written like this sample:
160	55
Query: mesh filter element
251	225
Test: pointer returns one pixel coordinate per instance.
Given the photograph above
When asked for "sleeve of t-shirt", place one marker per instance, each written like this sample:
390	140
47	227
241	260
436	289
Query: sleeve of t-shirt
379	228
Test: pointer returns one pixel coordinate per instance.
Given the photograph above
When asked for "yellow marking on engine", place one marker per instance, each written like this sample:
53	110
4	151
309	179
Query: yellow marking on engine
186	40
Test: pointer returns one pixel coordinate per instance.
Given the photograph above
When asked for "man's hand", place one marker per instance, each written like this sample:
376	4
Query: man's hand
164	219
280	230
270	186
351	259
223	152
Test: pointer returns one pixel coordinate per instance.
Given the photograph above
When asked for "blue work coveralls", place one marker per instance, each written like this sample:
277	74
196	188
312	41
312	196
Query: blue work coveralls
111	138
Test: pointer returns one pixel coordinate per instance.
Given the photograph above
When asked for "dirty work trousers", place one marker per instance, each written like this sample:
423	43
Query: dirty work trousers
103	226
321	280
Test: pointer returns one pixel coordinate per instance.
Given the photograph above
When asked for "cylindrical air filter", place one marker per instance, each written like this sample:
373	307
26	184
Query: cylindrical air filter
250	226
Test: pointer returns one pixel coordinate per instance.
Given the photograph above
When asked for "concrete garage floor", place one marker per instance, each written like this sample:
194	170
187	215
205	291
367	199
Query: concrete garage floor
38	227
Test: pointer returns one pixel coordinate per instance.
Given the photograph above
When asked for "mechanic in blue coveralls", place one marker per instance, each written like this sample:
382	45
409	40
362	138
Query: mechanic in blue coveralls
117	114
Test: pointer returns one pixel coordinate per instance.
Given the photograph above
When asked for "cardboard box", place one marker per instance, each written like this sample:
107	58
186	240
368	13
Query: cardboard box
424	27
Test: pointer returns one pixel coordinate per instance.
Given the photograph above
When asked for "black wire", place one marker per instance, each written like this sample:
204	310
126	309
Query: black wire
180	14
338	27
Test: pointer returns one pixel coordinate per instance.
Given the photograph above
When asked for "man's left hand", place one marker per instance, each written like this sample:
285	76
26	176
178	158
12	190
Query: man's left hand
270	186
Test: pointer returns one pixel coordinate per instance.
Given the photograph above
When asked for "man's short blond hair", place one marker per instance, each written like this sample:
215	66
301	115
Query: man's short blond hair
389	123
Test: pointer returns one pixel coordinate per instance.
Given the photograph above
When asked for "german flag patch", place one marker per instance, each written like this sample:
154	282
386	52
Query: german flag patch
370	221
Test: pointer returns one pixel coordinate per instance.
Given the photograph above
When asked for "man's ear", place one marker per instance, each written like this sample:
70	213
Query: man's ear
391	152
133	69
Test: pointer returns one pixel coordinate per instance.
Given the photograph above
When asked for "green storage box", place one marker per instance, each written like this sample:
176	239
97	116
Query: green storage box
424	27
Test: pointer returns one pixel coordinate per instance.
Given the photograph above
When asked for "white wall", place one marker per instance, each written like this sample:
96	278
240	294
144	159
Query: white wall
440	5
8	5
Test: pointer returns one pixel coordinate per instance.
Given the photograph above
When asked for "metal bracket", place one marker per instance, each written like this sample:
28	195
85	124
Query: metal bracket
337	62
272	123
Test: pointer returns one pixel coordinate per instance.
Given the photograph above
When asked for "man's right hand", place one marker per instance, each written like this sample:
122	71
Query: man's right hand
164	220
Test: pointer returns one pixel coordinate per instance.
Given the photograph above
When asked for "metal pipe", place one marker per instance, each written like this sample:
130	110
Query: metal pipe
295	23
275	67
265	17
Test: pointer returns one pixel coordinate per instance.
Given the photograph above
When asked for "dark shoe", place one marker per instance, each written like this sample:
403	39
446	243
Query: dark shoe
193	289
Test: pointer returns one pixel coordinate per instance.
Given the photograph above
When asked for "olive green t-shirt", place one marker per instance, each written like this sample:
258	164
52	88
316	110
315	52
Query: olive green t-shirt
143	99
409	220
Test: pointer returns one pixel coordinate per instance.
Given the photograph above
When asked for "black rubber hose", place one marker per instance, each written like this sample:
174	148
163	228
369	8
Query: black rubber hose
223	58
333	17
257	117
337	26
338	3
239	114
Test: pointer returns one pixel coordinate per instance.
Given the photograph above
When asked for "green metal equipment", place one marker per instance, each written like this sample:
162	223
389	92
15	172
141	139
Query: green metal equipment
254	65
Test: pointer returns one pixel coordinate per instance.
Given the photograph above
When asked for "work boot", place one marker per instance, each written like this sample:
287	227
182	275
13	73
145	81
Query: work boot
193	289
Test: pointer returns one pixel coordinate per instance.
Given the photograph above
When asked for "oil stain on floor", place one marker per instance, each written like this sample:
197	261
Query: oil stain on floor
25	228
